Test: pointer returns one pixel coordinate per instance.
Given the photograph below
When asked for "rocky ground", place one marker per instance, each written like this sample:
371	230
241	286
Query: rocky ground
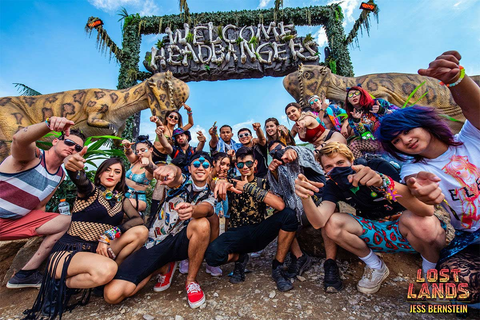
256	298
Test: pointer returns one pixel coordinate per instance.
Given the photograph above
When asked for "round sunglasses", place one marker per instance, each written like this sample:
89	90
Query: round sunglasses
313	101
249	164
243	135
173	117
201	161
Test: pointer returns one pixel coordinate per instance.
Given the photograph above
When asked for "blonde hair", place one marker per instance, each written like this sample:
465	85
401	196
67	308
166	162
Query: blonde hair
332	148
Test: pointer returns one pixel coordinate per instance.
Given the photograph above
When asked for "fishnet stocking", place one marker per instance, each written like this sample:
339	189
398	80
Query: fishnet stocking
359	146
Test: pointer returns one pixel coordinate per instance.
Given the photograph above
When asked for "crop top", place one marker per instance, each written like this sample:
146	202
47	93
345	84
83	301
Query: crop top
313	134
139	178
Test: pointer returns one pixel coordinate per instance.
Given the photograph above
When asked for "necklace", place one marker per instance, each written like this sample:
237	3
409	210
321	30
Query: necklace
109	195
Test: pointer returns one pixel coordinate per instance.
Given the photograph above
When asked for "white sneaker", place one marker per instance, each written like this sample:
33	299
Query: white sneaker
183	268
372	279
214	271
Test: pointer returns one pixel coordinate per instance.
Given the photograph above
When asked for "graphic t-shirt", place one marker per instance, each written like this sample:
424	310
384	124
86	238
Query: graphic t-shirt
167	221
459	169
245	209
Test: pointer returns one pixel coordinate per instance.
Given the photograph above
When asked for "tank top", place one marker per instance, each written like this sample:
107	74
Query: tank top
22	192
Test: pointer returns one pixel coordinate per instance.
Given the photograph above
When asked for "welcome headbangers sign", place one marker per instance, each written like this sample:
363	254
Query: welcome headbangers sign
208	52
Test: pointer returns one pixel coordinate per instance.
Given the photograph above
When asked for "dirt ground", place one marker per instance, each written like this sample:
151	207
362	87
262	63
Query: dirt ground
256	298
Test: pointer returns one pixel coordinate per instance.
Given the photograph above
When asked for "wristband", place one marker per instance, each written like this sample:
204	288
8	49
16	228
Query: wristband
104	239
462	75
189	113
47	122
113	233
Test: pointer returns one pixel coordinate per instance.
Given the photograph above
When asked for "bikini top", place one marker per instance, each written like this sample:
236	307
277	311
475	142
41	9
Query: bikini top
312	134
140	178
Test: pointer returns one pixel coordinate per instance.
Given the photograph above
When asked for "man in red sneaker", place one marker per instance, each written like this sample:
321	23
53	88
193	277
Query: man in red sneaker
178	231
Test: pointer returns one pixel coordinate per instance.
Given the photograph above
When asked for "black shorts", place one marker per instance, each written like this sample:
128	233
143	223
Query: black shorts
250	238
144	262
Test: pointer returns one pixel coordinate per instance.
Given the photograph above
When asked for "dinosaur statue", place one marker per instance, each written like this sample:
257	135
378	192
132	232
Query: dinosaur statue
394	87
94	111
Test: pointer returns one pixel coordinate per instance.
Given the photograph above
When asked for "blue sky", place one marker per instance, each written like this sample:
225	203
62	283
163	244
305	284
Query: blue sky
44	45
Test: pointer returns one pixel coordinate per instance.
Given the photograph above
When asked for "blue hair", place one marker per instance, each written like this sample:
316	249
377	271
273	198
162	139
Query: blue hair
391	125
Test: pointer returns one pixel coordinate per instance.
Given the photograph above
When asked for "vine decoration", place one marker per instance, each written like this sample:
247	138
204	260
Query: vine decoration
363	22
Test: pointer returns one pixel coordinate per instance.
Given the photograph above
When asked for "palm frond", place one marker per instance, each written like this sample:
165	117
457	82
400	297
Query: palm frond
25	90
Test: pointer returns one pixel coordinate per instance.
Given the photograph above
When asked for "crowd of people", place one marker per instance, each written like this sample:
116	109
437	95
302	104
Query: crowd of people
111	245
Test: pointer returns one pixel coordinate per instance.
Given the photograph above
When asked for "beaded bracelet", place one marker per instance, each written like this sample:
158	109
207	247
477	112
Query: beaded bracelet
388	188
113	233
189	113
104	239
47	122
462	75
258	193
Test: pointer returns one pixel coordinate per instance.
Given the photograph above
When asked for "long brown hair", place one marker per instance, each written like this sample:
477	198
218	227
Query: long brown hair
180	121
121	186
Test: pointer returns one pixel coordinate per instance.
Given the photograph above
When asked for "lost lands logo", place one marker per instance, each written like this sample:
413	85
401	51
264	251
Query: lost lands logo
444	284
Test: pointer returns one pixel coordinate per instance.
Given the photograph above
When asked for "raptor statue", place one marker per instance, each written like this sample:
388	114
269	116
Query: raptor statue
393	87
94	111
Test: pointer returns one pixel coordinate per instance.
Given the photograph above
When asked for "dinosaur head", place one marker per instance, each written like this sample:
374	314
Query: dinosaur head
307	81
166	93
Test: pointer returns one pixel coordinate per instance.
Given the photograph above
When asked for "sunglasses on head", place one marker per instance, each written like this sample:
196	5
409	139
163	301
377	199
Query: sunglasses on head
313	101
249	164
71	143
244	135
201	161
173	117
353	94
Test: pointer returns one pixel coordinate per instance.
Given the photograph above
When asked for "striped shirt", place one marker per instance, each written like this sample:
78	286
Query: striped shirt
22	192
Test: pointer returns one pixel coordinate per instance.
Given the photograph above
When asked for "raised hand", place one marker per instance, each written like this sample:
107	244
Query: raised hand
185	210
127	144
365	176
356	114
159	130
425	187
444	68
155	120
256	126
213	130
274	165
75	162
375	108
144	162
290	155
165	174
201	137
61	124
187	107
305	188
222	187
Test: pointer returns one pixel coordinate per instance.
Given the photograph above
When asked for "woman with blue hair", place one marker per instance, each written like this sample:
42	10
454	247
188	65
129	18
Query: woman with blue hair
442	168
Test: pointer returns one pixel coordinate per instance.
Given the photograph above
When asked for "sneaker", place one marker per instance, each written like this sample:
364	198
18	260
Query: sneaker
256	254
195	295
297	267
372	279
183	268
283	284
32	281
332	282
239	270
164	281
214	271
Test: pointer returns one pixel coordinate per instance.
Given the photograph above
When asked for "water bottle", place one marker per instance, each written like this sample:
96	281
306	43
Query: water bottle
64	207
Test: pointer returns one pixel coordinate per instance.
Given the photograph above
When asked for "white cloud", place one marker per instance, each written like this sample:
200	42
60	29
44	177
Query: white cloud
322	39
348	6
143	7
263	4
238	126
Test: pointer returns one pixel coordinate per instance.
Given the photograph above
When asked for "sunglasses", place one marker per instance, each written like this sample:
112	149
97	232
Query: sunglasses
313	101
173	117
353	94
244	135
276	149
249	164
201	161
71	143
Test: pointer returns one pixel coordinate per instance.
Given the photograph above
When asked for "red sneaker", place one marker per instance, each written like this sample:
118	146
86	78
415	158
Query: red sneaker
164	281
195	295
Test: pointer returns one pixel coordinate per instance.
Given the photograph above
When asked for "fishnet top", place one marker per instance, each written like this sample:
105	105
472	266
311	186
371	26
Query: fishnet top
92	214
